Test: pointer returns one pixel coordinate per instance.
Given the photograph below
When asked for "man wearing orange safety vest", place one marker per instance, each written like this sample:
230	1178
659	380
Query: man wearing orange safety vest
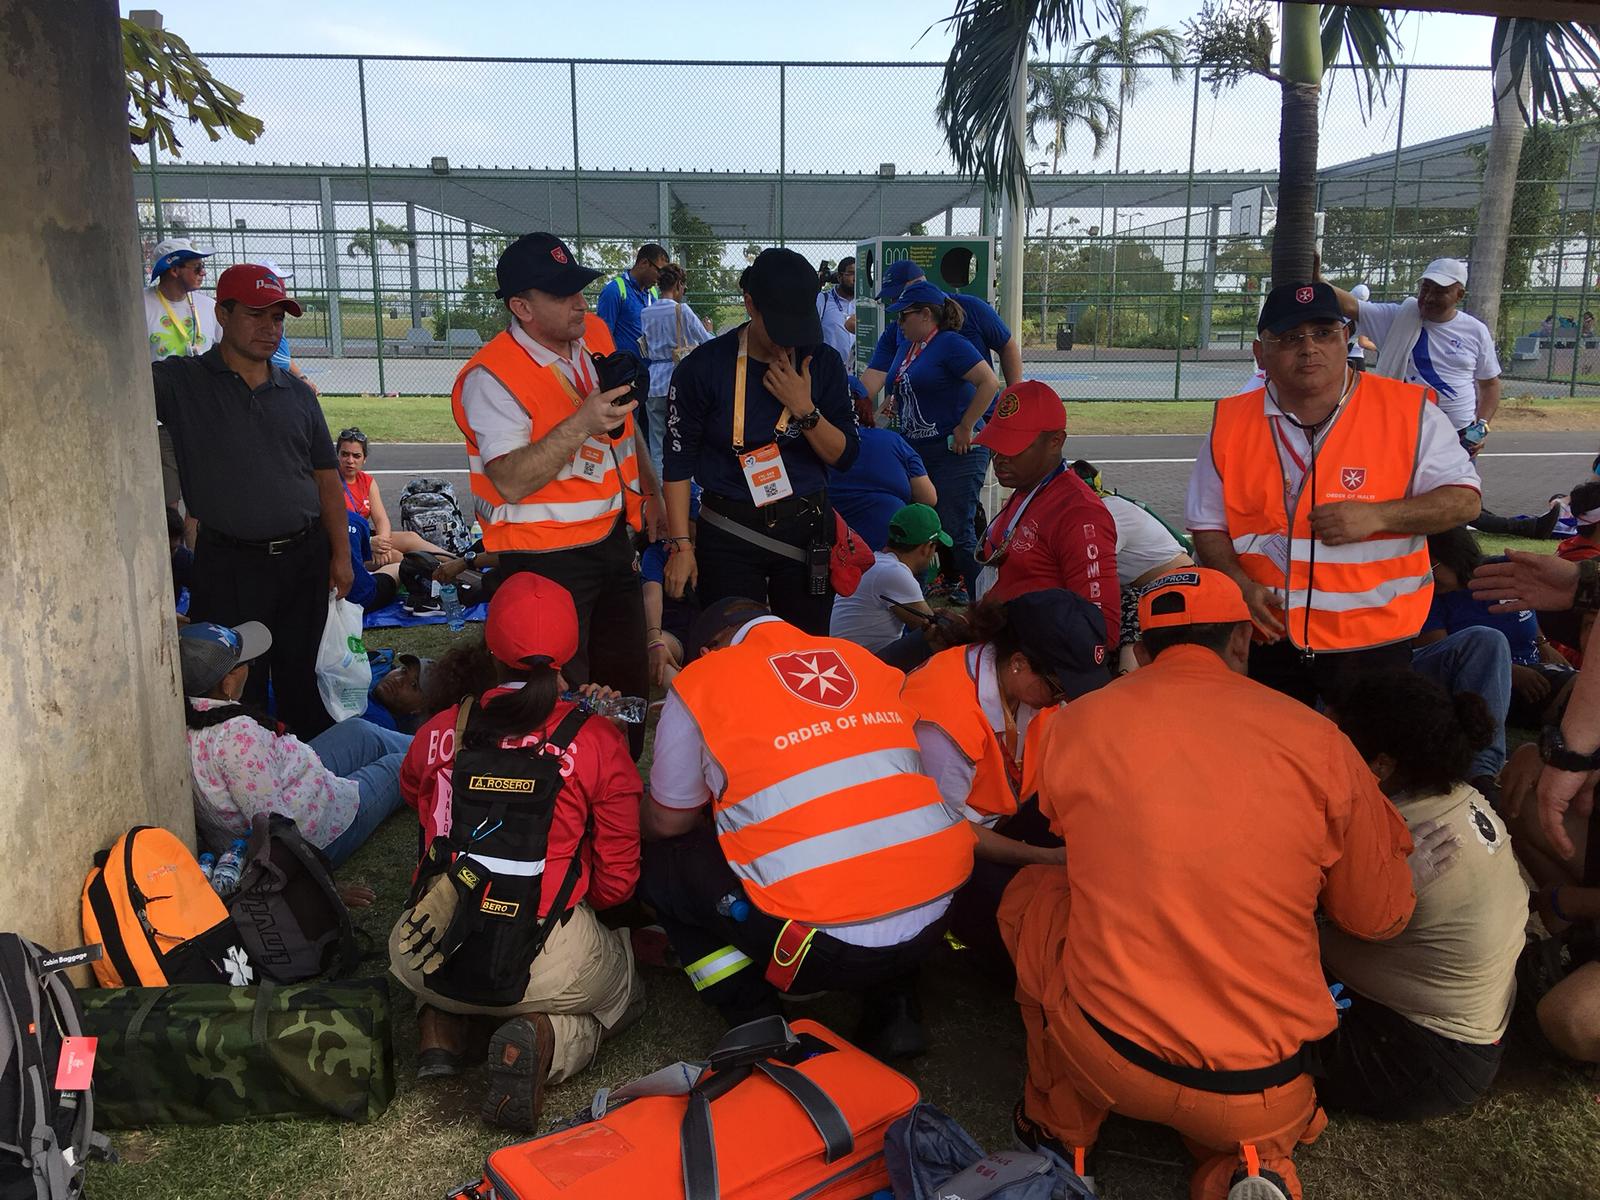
829	860
1316	495
1170	970
560	480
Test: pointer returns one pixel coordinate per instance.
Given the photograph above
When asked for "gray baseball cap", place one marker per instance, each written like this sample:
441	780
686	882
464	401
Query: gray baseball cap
207	652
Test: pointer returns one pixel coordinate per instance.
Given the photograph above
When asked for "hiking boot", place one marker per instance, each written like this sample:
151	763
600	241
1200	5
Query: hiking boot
520	1054
1268	1185
1030	1135
891	1027
441	1043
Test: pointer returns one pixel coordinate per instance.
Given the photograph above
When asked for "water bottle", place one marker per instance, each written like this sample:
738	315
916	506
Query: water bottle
736	908
477	533
454	615
225	875
628	709
208	863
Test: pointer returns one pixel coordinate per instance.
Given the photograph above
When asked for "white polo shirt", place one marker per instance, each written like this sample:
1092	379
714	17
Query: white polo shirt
1450	357
944	760
499	423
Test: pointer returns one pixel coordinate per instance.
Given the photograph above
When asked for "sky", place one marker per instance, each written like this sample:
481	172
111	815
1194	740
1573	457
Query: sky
717	29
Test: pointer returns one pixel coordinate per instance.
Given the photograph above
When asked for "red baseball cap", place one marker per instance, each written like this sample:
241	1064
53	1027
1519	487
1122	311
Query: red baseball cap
255	286
1193	596
531	617
1023	411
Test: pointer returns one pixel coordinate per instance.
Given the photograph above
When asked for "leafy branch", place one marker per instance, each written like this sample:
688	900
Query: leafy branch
166	82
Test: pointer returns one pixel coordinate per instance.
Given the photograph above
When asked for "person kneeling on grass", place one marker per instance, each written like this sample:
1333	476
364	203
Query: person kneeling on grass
530	822
338	787
1420	1030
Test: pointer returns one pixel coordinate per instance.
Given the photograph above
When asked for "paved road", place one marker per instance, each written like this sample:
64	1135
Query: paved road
1520	470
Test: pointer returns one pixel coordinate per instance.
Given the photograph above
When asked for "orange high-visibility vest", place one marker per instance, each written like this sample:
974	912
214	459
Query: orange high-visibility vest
571	510
944	692
1370	593
827	816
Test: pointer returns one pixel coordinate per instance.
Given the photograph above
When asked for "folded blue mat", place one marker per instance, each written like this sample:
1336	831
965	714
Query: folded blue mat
395	617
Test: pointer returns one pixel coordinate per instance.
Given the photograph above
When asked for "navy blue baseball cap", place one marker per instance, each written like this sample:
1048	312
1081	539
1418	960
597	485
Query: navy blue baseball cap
1064	634
896	276
207	652
1296	303
541	261
921	292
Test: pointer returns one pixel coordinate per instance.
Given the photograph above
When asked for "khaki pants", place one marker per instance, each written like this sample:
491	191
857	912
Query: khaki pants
583	980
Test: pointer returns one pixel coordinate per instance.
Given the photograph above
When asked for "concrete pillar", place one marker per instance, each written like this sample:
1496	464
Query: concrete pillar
330	266
92	737
411	258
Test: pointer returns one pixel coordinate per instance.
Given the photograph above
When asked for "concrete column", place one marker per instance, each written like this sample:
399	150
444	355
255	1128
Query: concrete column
411	258
92	738
330	267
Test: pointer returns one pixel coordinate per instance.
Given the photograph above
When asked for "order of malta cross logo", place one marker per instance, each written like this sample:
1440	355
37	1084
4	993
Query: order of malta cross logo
818	677
1305	294
1352	478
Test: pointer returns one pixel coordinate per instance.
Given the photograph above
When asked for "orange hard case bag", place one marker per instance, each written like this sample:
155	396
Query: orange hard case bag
779	1112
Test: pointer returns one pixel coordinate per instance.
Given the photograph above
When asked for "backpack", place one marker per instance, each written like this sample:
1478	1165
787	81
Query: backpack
850	558
931	1157
46	1134
428	509
502	803
157	916
287	910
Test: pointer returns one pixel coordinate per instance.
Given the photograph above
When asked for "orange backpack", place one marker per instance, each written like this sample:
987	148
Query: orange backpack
776	1114
148	904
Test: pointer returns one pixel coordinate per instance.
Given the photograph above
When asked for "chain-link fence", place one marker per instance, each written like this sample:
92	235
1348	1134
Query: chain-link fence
388	186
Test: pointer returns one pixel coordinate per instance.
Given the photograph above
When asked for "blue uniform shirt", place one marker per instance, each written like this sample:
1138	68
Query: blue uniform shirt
877	485
982	327
1458	610
619	307
699	443
931	396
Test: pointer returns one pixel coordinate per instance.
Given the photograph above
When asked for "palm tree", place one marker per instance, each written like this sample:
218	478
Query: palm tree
1061	97
393	236
1528	58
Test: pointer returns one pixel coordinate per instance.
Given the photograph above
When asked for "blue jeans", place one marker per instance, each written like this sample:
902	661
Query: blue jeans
1474	660
959	480
356	749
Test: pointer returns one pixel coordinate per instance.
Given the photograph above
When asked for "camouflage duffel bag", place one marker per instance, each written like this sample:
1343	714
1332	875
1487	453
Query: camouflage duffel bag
205	1054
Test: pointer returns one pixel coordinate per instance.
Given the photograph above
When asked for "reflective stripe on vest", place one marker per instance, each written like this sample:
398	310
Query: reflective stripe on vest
509	866
827	815
716	966
570	510
1352	597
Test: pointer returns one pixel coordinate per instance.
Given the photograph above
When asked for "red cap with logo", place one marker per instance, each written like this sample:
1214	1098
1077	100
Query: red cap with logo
1023	411
254	286
531	617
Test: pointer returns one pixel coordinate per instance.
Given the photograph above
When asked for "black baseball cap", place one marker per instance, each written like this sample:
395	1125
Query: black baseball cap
783	286
731	612
1063	633
543	261
1296	303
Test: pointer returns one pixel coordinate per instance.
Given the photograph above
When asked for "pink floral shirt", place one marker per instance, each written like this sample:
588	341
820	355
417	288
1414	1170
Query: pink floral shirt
244	769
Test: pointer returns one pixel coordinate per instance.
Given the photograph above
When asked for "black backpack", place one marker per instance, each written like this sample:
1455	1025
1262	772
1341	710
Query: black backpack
428	509
46	1135
287	910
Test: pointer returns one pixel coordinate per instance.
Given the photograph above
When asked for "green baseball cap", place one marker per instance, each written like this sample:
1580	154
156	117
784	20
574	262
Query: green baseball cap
915	525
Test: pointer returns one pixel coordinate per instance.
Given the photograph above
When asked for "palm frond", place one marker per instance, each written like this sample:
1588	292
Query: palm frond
1369	38
1543	53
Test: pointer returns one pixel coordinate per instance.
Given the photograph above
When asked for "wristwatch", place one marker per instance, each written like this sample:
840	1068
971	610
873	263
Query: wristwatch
1553	750
809	421
470	557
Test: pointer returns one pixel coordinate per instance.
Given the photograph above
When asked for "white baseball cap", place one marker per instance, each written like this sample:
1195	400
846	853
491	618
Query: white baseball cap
173	251
274	268
1361	292
1445	271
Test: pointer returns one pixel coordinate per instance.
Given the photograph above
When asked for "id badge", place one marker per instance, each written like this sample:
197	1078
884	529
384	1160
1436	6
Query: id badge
1276	548
765	475
590	460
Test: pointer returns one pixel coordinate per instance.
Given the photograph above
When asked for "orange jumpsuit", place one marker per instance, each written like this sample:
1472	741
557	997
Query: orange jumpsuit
1184	918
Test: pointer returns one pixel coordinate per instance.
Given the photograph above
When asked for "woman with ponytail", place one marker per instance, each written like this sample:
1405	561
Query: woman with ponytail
1423	1014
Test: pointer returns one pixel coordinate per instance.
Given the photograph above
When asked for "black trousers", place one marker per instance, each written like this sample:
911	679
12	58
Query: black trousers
288	593
1383	1065
1284	668
731	566
609	596
972	912
683	879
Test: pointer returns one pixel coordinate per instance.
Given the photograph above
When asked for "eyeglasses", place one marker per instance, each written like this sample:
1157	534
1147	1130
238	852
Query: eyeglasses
353	435
1320	336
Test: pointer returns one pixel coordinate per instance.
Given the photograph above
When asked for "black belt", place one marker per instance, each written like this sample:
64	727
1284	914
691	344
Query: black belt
756	516
1202	1079
273	545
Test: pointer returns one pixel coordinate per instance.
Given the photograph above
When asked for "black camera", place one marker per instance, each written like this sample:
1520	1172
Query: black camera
826	274
620	368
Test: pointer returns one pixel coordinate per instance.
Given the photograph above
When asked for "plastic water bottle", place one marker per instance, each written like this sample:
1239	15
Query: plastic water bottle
225	875
736	908
454	615
208	864
629	709
477	533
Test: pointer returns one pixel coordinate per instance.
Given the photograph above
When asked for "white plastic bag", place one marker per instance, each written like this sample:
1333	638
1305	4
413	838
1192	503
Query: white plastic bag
343	673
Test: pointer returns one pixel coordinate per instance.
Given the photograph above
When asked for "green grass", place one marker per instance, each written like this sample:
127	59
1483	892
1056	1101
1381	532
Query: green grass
428	419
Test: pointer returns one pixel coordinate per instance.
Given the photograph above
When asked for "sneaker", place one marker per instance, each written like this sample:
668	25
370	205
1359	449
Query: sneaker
420	605
958	596
519	1060
1030	1135
938	589
1268	1185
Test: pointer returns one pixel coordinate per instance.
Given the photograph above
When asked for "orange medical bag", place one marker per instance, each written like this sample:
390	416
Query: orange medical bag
777	1113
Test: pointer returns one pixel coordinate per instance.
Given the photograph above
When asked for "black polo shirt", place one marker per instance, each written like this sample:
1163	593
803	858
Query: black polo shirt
245	458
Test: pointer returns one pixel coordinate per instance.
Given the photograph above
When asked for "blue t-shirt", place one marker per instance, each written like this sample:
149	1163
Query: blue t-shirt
982	327
364	589
877	485
932	394
280	356
619	306
1458	610
699	441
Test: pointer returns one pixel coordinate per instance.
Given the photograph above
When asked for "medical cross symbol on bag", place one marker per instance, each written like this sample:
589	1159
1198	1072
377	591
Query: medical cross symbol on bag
1353	478
817	676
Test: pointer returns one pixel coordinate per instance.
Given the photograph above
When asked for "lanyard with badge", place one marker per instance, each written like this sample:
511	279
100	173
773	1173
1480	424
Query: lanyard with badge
589	461
990	554
189	330
764	471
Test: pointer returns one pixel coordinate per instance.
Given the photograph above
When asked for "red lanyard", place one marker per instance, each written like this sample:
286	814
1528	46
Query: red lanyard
911	357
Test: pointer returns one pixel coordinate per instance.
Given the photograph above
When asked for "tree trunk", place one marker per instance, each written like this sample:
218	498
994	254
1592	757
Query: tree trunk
1486	272
1049	246
1294	239
1111	310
